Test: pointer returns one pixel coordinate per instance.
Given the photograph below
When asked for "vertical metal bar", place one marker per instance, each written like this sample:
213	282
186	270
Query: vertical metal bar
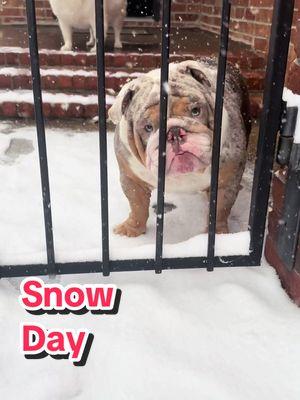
217	132
102	134
40	126
164	77
269	122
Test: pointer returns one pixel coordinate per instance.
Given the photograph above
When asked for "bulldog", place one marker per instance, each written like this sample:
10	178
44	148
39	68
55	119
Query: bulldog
80	14
190	126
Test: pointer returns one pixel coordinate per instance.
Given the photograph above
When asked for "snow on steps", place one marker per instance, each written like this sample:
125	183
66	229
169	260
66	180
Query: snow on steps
247	60
74	72
19	103
60	79
83	79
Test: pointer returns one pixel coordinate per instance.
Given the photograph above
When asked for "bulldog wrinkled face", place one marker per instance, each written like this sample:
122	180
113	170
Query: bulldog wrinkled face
189	138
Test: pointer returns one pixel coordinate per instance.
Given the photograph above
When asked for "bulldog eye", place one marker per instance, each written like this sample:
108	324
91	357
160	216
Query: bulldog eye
195	111
148	128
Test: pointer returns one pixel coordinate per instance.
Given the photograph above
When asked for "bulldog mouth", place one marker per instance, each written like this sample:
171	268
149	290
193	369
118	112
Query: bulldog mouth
185	162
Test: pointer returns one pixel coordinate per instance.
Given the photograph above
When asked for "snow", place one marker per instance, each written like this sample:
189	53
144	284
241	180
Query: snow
232	334
293	100
13	71
22	50
75	198
26	96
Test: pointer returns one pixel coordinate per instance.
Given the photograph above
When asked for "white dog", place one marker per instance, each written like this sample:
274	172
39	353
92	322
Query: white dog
80	14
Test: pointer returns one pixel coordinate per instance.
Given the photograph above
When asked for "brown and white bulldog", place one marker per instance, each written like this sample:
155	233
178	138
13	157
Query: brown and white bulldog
190	125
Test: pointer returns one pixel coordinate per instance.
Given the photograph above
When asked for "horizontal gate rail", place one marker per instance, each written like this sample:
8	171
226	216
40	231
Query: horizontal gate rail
127	265
277	60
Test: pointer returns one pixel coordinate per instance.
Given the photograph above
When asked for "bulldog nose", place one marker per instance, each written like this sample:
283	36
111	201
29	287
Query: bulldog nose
176	134
176	137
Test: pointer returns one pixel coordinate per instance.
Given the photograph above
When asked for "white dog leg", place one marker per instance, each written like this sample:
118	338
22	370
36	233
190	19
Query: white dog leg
66	31
93	49
117	30
91	42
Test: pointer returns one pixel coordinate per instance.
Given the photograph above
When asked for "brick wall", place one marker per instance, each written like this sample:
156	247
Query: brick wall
250	19
13	11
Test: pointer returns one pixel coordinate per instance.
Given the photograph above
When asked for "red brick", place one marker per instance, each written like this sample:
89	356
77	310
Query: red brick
43	58
64	82
22	82
54	59
78	82
47	110
91	60
57	111
75	111
67	59
91	83
25	110
80	60
5	82
9	109
12	58
50	82
2	59
261	44
24	59
119	60
90	110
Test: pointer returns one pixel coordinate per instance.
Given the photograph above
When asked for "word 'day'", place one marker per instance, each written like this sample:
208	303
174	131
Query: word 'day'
38	342
38	296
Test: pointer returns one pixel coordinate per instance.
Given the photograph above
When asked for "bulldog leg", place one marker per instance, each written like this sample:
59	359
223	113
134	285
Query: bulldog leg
138	196
91	41
229	183
117	31
66	31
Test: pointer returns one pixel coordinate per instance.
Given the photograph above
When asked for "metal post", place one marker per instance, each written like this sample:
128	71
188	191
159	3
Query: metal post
40	126
102	134
164	77
269	122
215	163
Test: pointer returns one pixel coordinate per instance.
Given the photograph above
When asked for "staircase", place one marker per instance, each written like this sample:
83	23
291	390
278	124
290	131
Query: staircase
69	80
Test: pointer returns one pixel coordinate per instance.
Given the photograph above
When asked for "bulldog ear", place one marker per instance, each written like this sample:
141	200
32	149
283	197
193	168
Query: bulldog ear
199	76
194	68
121	103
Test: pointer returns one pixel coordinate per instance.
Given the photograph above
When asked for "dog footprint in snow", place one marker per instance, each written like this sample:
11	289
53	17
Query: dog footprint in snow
11	149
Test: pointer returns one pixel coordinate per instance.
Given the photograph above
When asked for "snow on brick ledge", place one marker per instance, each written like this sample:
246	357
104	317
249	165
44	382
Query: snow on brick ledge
293	100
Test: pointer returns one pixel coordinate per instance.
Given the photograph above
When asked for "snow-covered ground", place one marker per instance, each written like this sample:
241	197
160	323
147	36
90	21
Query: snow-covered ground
232	334
75	198
228	335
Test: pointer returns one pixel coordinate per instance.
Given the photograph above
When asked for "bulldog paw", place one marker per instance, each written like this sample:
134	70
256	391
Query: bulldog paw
118	45
222	228
66	47
130	229
93	49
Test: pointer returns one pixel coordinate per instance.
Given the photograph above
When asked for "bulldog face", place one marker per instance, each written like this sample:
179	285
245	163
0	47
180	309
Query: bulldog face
189	123
188	147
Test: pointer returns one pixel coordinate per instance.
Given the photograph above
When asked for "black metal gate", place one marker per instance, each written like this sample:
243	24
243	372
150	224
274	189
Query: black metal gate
269	125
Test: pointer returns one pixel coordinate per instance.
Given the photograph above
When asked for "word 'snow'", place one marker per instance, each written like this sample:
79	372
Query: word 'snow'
37	297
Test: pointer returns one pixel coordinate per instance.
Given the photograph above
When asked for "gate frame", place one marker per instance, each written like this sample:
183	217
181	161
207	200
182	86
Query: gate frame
269	126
